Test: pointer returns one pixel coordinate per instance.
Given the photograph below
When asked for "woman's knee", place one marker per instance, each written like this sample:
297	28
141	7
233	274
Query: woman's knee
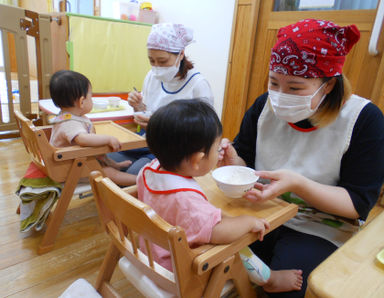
120	156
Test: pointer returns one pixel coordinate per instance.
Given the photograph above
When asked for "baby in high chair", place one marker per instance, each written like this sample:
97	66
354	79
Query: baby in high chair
72	93
185	137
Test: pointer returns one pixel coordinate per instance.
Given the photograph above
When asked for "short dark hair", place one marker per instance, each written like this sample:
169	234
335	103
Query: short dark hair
180	129
67	86
185	65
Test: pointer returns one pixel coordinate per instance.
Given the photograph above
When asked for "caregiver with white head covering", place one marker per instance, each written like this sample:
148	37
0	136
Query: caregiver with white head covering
172	75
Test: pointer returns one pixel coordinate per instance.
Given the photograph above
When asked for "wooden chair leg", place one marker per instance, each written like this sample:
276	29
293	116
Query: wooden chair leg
107	268
240	278
108	291
56	218
231	268
217	280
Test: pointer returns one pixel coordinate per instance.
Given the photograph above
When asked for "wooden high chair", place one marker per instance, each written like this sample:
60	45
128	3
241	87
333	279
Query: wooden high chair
196	272
67	165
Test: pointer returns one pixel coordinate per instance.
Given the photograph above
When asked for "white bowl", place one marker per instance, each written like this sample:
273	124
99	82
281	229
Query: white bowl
100	104
114	101
143	113
234	181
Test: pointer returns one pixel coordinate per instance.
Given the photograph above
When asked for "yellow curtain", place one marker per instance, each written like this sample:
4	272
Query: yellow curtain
111	53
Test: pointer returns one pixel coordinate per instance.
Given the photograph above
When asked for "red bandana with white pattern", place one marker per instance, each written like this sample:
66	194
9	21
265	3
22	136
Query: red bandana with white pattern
312	48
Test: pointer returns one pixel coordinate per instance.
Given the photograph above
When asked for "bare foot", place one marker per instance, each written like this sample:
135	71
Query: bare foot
284	281
124	164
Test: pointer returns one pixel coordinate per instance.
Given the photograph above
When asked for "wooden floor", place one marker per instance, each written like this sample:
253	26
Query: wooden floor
79	250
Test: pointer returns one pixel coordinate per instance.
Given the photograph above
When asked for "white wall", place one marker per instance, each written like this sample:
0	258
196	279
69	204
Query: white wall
211	21
212	24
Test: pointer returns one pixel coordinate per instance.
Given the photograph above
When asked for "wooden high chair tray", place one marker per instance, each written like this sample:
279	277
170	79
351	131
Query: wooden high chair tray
125	136
276	211
129	140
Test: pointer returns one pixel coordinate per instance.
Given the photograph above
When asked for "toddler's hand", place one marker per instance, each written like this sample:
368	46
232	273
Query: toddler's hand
259	226
114	143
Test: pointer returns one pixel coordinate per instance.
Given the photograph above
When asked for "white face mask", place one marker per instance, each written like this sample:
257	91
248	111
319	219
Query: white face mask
165	73
293	108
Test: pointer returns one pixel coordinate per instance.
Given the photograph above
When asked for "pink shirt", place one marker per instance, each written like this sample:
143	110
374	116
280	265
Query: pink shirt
181	202
67	127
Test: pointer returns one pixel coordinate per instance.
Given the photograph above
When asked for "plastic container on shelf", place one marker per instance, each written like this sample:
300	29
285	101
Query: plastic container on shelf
146	5
129	10
147	16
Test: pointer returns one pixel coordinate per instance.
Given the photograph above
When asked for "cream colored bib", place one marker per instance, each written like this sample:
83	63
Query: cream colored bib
315	154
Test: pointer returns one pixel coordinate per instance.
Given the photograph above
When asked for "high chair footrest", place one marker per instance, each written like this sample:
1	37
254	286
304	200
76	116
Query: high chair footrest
80	288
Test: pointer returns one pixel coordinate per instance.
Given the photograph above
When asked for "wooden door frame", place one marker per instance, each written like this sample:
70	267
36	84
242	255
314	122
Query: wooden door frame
246	15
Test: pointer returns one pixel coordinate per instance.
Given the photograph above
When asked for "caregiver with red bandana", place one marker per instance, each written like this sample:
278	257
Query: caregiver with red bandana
313	143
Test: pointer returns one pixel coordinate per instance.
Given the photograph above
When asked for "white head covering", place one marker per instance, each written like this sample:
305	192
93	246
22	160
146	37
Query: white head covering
169	37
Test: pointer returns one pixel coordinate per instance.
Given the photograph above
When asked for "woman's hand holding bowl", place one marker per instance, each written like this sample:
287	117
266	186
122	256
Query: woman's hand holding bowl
141	118
281	181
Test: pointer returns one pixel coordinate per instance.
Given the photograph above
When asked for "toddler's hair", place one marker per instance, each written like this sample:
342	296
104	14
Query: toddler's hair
67	86
181	128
